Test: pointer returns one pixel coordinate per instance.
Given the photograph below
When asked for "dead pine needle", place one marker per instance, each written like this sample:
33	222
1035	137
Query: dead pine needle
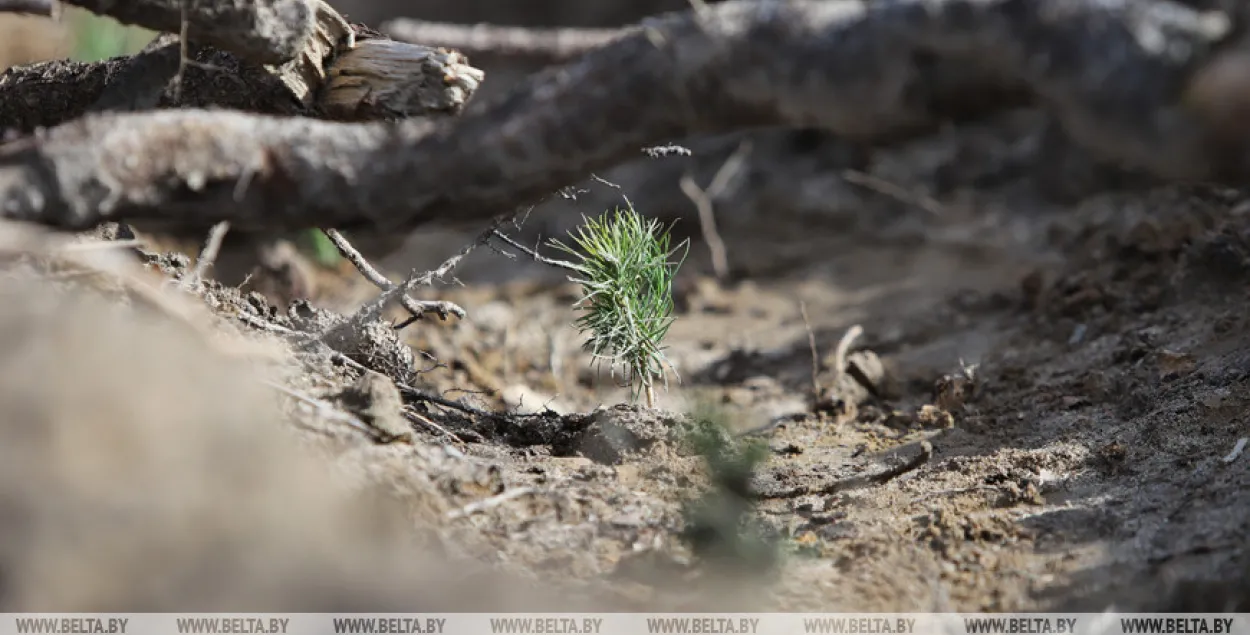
811	343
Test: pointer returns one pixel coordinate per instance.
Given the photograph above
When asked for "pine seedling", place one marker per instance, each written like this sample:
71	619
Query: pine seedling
625	266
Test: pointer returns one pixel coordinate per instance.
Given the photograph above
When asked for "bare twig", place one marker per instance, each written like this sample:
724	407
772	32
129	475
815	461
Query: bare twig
844	347
415	307
429	423
811	343
898	193
265	325
90	245
926	453
1165	105
373	310
420	395
212	246
493	501
856	482
184	56
533	253
703	200
33	7
486	40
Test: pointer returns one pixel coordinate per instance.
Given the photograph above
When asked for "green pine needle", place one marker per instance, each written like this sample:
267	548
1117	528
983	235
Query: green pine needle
626	270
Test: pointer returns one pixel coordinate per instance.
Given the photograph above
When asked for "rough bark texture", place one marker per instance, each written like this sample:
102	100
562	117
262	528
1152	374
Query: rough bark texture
486	40
381	79
265	31
1149	84
437	83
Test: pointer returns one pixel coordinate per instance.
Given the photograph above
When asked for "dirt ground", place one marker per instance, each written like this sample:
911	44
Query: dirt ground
1075	368
1041	413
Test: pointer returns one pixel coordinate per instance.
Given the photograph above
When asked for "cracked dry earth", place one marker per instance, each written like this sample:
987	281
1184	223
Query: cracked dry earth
1076	374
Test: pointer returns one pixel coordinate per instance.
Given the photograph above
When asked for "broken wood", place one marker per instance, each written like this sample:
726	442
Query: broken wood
264	31
342	74
514	43
1141	83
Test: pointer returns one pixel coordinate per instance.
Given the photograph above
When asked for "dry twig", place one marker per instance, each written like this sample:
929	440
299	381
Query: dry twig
430	423
416	308
373	310
533	253
703	199
487	40
896	192
811	344
879	478
844	347
212	246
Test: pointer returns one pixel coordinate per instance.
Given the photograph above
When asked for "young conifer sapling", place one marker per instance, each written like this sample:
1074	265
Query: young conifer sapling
626	265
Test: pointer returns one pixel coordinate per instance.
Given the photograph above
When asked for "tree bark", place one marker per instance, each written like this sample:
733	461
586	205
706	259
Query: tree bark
264	31
490	41
377	79
1146	83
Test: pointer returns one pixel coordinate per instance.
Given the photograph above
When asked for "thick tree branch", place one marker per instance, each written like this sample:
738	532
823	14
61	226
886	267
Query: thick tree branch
264	31
487	40
33	7
1138	81
374	79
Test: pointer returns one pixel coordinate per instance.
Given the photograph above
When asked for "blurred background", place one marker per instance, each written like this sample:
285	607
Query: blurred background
776	213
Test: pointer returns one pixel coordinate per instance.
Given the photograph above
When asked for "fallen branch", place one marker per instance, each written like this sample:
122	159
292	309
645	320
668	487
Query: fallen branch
33	7
372	311
367	78
264	31
491	41
872	72
416	308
